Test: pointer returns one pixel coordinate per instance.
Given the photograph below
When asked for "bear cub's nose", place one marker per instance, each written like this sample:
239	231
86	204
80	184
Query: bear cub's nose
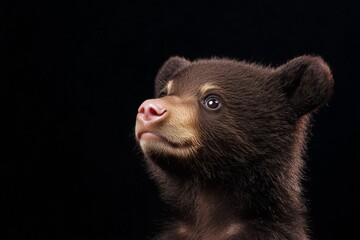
151	110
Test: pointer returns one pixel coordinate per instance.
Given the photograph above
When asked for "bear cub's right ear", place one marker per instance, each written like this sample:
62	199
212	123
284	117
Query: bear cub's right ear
172	66
307	82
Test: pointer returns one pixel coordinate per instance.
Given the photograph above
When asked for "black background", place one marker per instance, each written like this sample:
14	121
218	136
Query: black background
74	72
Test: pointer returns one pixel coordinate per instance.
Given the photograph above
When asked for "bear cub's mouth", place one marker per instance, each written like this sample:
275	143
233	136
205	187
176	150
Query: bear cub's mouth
155	137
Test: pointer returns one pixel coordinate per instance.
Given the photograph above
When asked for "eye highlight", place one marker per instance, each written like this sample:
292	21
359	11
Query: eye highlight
212	102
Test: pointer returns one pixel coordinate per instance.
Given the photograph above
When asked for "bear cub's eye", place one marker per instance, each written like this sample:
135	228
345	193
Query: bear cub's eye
212	102
163	93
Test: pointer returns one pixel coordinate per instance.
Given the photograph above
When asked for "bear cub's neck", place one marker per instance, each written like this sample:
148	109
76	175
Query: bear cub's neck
207	214
214	212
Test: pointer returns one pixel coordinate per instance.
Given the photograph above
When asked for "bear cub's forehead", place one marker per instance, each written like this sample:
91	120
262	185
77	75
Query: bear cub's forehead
218	73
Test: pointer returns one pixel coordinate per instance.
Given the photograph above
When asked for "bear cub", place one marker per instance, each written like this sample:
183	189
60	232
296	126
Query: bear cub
224	140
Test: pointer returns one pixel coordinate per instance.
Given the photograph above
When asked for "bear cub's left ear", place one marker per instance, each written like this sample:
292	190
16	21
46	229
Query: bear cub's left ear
307	81
168	70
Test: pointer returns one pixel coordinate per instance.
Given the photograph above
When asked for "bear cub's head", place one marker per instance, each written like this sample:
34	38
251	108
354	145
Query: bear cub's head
214	118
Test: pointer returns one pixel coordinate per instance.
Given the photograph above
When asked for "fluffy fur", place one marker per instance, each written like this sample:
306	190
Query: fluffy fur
233	173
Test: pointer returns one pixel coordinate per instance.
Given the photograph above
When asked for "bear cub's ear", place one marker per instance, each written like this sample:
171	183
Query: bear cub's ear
168	70
307	81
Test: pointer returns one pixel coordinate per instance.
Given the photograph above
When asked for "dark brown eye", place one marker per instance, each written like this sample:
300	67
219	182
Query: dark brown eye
162	94
212	102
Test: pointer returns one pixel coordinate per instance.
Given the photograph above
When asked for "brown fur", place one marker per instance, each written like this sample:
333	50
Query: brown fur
234	172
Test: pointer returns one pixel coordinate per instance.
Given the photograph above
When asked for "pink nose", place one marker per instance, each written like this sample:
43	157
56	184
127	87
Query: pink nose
151	110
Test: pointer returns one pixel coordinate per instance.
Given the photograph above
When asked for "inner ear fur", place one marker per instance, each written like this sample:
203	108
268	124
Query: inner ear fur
307	81
172	66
